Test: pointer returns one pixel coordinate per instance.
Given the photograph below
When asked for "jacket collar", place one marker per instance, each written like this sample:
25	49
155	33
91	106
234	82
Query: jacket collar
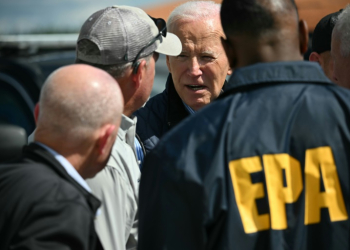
37	153
127	131
262	74
126	125
176	110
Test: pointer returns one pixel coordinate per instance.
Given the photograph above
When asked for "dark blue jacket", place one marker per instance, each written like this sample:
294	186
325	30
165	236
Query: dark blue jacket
266	166
159	115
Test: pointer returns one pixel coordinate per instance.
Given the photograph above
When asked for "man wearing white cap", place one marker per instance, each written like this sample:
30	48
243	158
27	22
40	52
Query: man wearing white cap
125	42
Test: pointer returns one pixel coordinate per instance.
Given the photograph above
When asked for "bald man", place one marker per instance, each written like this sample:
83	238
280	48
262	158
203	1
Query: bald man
266	166
45	202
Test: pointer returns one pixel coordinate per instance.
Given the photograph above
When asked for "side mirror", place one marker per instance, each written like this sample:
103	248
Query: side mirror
12	140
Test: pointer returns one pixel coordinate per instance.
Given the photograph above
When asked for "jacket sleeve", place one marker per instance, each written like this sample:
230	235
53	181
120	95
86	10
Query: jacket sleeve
56	225
117	223
171	207
182	191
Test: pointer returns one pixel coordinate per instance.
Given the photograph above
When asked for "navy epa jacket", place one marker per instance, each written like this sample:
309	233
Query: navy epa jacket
266	166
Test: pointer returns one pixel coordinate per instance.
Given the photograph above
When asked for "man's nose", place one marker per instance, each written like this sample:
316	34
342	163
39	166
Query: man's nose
195	67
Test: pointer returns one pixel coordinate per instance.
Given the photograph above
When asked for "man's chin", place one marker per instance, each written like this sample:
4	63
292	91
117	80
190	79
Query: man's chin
197	104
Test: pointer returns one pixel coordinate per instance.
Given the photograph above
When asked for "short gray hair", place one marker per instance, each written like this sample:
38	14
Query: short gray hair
76	114
194	10
116	70
342	28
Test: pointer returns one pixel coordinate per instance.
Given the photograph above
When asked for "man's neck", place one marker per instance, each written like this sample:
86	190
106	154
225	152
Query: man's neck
248	51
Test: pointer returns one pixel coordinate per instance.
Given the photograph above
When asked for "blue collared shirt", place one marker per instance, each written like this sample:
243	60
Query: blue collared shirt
189	109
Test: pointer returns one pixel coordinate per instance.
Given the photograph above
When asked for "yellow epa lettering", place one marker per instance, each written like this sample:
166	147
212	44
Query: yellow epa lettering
317	161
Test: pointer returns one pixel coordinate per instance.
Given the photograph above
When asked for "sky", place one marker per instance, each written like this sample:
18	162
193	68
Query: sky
26	16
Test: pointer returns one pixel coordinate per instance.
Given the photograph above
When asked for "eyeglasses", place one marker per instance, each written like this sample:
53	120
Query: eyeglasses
161	25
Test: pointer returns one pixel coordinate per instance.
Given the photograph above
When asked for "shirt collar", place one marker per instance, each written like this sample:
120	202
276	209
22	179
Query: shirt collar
125	125
189	109
67	166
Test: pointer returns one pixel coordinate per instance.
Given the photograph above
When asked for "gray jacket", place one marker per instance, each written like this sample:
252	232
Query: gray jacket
117	188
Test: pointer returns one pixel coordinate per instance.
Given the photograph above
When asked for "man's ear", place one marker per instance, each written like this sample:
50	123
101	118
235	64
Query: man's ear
168	63
105	139
314	57
140	74
303	36
36	113
231	55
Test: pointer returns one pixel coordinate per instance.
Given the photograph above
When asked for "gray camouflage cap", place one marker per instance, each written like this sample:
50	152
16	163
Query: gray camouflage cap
120	33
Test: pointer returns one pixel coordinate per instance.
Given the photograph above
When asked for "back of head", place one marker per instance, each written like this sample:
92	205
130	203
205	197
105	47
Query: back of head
263	31
342	31
256	17
75	101
322	35
194	10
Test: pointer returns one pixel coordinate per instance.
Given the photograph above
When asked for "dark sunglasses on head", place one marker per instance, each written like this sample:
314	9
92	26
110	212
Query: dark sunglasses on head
161	24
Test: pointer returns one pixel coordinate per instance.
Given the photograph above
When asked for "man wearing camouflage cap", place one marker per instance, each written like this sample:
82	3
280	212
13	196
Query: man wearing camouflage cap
125	42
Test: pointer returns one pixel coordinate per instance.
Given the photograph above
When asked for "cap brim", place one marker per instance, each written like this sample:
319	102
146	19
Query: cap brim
170	45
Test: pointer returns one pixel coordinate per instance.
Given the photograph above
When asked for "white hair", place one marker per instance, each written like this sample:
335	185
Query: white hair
194	10
78	113
342	29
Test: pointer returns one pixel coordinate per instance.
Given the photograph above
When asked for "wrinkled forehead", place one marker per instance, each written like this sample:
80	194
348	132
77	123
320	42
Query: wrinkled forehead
199	37
202	22
198	30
